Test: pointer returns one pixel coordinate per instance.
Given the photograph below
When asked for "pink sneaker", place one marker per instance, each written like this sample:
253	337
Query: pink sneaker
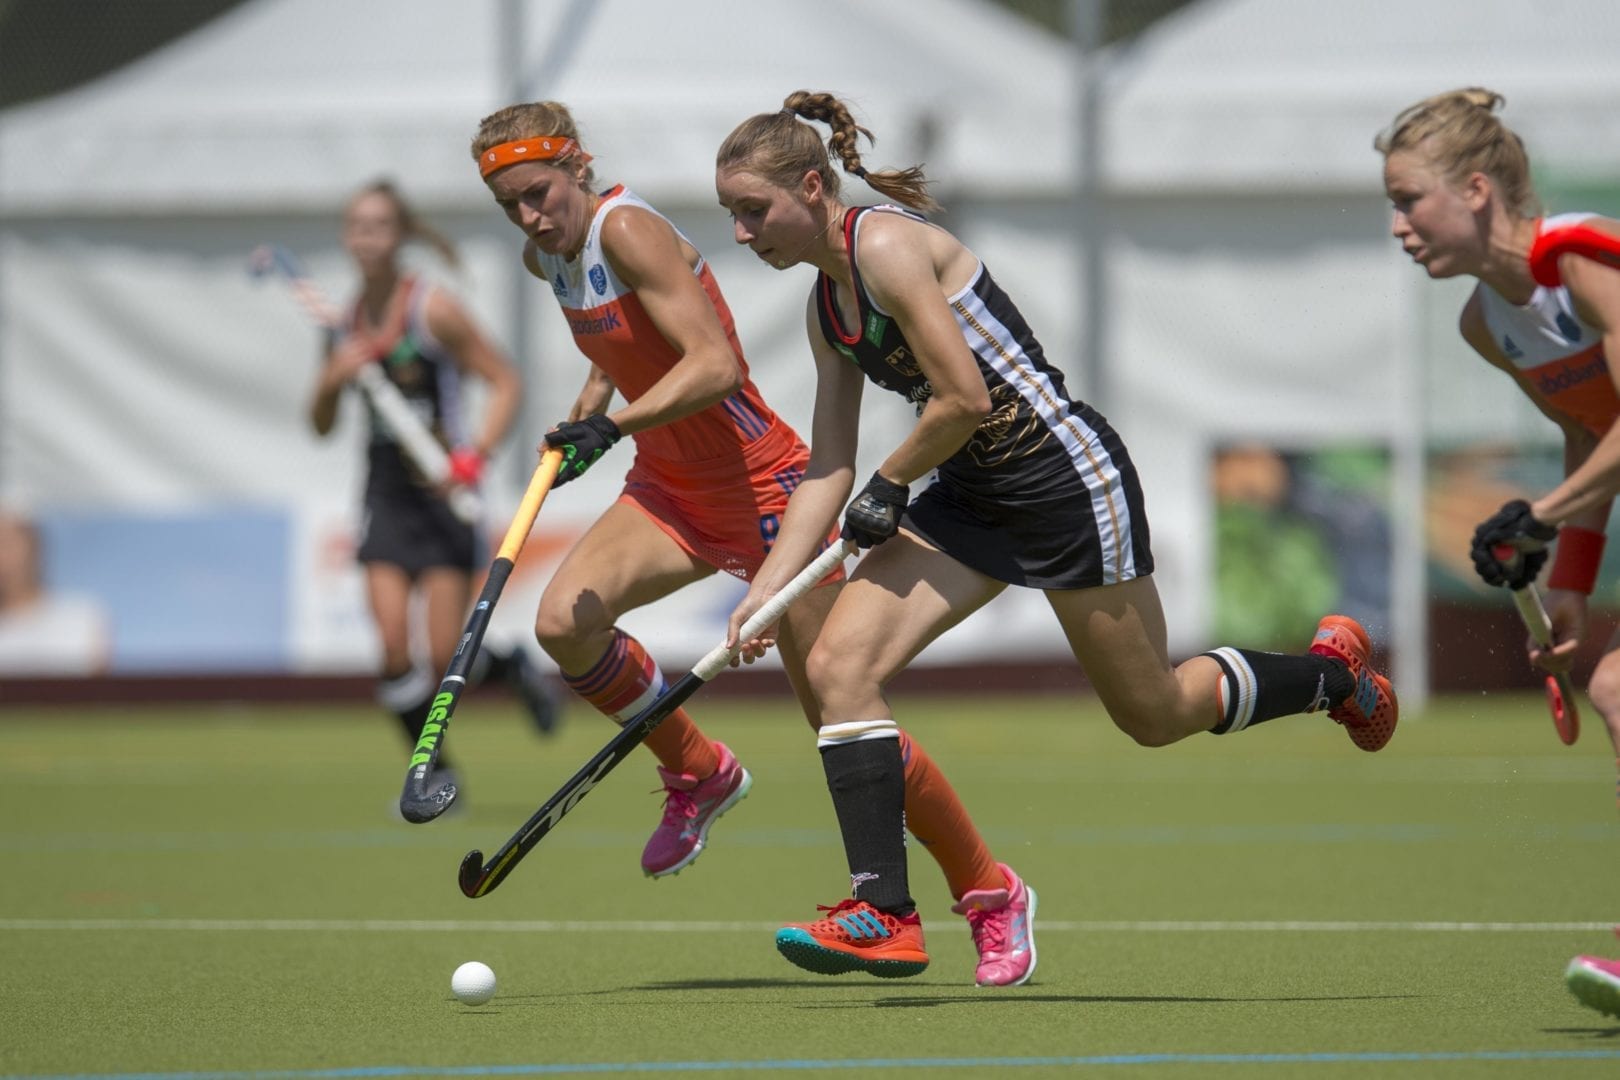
1003	925
1595	982
690	807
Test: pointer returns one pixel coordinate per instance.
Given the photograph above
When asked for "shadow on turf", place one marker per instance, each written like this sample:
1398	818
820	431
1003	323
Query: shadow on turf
1594	1032
980	994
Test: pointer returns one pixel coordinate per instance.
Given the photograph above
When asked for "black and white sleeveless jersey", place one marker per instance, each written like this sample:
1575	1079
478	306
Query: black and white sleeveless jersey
425	373
1038	448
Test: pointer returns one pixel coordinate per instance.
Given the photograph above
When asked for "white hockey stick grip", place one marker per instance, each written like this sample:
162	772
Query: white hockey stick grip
1534	615
719	657
416	440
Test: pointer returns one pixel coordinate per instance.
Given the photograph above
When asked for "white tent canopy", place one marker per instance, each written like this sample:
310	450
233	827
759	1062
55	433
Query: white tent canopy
1288	94
288	102
142	373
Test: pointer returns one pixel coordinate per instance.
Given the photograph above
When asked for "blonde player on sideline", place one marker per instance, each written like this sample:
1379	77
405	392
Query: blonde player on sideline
713	471
1459	182
411	541
1032	488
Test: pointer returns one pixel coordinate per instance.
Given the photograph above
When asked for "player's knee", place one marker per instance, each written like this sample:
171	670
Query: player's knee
552	630
831	671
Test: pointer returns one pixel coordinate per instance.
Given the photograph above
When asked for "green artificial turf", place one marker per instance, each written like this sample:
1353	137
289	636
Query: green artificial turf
225	890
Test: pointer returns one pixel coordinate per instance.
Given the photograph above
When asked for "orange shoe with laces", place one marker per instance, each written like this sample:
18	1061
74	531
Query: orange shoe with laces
855	936
1370	713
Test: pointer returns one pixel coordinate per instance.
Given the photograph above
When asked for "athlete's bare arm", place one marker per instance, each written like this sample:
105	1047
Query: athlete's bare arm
829	477
901	267
1587	492
595	396
1578	441
449	322
647	255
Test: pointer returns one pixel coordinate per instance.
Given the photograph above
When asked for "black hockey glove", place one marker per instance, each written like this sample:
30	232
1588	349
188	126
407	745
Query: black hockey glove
582	442
874	514
1514	527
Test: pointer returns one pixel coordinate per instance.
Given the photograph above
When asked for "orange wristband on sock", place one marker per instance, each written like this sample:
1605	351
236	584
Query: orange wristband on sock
1580	552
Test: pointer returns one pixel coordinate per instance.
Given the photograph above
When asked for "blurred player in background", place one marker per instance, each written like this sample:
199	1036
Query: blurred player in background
412	546
1459	181
44	632
1032	489
713	471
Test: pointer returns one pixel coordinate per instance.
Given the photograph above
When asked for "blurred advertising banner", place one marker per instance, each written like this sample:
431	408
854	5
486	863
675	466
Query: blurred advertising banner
1299	534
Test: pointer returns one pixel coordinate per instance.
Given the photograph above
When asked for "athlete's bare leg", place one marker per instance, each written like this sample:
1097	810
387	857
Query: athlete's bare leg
623	562
1117	632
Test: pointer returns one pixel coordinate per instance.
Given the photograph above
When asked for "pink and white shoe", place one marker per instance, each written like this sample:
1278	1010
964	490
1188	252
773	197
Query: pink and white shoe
1595	982
1003	925
690	807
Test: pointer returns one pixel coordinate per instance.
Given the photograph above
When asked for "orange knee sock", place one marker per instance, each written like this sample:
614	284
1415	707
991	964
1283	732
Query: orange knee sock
625	681
939	821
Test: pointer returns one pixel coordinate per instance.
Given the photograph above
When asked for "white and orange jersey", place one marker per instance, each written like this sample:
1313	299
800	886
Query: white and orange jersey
1551	345
611	327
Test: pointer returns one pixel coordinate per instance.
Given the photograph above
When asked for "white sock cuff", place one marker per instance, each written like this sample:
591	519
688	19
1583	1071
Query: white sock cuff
405	691
1240	687
855	731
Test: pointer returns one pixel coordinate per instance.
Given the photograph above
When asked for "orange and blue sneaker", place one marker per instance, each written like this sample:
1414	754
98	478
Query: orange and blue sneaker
855	936
1003	925
690	807
1370	713
1595	982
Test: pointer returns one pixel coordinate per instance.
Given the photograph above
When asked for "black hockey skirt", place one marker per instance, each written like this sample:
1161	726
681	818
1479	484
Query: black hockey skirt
414	529
1071	529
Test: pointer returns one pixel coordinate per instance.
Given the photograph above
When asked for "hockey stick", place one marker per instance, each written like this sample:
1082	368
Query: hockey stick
386	400
478	878
1560	692
416	802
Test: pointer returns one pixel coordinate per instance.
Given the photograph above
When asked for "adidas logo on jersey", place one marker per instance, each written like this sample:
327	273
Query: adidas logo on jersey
1510	350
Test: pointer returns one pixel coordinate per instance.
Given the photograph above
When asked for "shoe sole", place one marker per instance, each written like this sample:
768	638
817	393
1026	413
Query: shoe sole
803	950
703	833
1030	932
1592	989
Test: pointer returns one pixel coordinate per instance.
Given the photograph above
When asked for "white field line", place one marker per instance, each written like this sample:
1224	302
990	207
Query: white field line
696	926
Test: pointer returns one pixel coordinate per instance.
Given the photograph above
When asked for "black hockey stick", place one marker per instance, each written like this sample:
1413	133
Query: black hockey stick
478	878
417	803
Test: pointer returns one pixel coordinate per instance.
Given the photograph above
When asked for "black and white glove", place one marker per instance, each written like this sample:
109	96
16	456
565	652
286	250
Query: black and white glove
874	514
1513	527
582	443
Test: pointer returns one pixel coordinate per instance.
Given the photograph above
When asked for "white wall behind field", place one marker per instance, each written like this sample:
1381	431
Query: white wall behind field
1251	289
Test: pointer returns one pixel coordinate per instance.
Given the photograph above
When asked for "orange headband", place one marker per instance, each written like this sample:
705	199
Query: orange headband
544	148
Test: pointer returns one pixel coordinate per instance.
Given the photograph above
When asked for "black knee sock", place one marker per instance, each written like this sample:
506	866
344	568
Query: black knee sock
868	785
410	697
490	665
1259	686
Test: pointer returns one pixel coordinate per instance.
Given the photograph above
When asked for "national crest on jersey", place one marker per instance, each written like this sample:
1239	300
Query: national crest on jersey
1548	342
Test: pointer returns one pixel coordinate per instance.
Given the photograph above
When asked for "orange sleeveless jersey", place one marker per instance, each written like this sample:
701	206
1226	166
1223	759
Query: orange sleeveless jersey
716	481
1560	353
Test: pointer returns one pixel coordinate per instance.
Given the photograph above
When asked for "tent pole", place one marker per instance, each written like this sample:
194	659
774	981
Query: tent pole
1091	241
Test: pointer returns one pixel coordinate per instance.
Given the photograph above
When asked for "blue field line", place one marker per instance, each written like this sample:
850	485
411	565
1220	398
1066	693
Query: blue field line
1374	1057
